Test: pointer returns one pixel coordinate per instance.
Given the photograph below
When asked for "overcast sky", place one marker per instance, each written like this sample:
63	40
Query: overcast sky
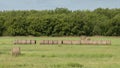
52	4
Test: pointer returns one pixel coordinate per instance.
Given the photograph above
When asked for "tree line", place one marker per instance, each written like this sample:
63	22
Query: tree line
60	22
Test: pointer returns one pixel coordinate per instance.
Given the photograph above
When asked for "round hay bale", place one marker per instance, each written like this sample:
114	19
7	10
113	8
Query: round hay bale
108	42
32	41
46	41
76	42
99	42
94	43
19	41
42	42
23	41
67	42
50	41
89	42
83	42
55	41
28	41
16	51
60	42
104	42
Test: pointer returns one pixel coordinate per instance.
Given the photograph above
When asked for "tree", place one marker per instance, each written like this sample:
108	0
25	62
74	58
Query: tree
115	26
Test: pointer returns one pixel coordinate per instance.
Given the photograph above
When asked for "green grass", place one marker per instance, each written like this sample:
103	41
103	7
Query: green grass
60	56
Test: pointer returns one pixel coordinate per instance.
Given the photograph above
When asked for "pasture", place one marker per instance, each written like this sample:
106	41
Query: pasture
60	56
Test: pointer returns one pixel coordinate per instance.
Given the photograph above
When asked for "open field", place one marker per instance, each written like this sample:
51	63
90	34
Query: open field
60	56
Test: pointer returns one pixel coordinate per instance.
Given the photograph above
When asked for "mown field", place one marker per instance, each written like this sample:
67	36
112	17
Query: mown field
60	56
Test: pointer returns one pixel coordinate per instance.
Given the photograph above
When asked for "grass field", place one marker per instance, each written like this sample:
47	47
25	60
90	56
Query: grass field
60	56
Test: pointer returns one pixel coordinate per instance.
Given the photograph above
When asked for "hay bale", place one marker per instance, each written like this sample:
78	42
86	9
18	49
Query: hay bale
50	41
55	41
76	42
46	41
94	43
67	42
83	42
16	51
23	41
108	42
86	42
28	41
32	41
89	42
19	41
98	42
103	42
42	42
60	42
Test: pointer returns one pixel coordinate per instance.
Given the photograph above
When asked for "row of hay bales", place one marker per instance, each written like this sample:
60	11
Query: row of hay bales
51	42
93	42
76	42
25	42
67	42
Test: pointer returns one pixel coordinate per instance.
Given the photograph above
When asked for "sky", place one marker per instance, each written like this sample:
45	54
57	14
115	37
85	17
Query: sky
52	4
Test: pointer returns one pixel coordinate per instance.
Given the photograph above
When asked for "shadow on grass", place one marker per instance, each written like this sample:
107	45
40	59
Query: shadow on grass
71	55
102	55
68	65
75	65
